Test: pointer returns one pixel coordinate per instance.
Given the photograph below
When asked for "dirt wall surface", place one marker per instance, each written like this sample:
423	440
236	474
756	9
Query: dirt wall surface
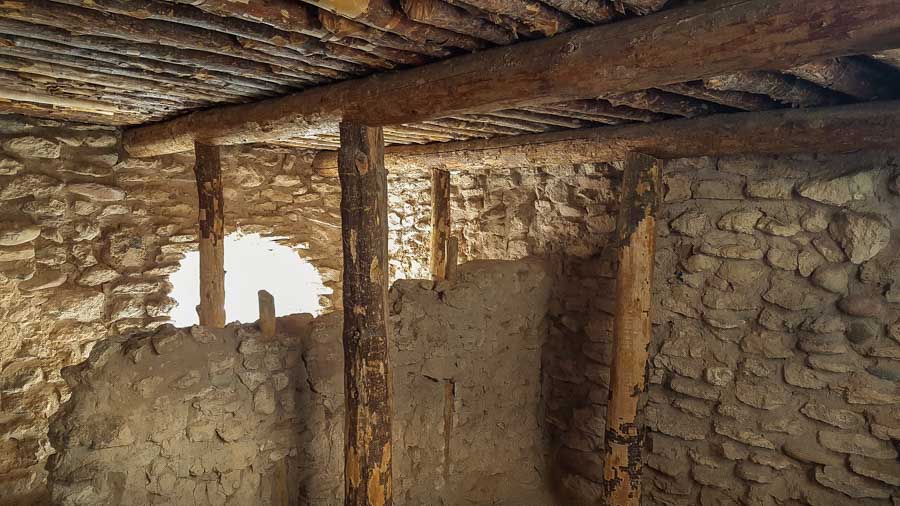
193	416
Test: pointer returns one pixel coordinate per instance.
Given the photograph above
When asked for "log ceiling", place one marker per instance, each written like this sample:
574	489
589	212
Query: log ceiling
131	62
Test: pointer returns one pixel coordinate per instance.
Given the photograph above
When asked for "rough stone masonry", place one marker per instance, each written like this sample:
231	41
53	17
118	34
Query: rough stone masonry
199	416
775	356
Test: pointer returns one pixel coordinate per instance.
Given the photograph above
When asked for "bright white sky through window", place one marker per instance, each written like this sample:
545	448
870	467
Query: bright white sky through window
252	263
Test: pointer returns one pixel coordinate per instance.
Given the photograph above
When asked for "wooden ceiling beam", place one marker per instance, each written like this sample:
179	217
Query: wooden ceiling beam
678	45
298	17
839	129
534	14
382	14
786	89
852	76
150	31
202	63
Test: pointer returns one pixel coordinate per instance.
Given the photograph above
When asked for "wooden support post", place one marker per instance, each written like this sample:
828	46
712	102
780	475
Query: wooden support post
631	328
440	222
266	314
452	258
208	170
367	372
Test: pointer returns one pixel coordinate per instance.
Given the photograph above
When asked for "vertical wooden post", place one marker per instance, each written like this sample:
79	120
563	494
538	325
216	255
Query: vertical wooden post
452	258
266	314
440	222
635	232
367	373
208	171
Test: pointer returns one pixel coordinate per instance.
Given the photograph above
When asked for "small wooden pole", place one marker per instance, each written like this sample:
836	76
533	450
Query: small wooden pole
367	373
631	328
208	171
440	222
266	314
452	258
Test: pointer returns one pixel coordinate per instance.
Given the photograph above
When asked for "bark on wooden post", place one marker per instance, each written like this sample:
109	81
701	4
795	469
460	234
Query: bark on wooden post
208	171
266	314
440	222
367	372
631	328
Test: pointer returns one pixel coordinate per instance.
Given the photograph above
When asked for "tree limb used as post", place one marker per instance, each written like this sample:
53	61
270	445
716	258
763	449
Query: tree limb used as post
440	222
208	171
631	328
367	372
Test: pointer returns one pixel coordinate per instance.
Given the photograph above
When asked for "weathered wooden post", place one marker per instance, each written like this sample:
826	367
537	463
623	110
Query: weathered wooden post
266	314
367	373
440	222
635	233
452	259
208	171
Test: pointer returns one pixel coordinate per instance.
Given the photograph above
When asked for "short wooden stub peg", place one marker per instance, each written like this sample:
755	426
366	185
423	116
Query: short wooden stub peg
266	314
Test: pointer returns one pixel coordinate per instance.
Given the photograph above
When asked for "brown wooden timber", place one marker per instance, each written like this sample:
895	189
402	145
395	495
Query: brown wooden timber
150	31
210	79
440	222
198	90
127	84
381	14
840	129
266	314
443	15
50	112
853	76
613	58
534	14
544	118
643	6
606	109
636	238
665	103
342	28
208	171
452	259
201	61
367	371
263	38
292	18
595	12
737	99
786	89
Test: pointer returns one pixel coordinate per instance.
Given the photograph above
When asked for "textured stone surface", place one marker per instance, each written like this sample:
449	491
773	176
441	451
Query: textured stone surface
248	442
861	236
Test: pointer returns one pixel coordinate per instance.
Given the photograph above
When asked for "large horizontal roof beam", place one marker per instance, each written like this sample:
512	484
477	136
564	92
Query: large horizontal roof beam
678	45
838	129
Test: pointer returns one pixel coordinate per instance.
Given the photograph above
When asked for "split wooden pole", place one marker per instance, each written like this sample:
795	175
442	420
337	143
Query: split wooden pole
635	233
208	171
266	314
440	222
367	372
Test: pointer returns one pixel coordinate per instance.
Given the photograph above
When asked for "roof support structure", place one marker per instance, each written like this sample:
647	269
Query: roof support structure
837	129
673	46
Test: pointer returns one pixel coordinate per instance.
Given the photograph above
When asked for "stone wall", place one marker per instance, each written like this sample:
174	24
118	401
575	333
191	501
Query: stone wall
87	241
775	359
775	369
192	416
